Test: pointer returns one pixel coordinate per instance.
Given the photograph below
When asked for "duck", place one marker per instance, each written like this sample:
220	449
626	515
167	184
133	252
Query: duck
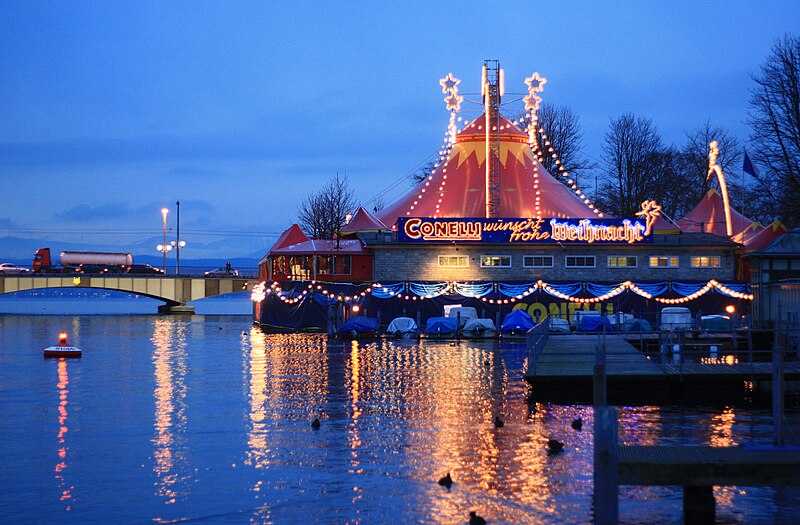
474	519
498	423
446	481
315	424
555	446
577	424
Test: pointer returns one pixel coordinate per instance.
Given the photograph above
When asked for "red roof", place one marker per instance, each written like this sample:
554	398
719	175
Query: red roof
292	235
457	187
363	221
709	216
322	247
765	236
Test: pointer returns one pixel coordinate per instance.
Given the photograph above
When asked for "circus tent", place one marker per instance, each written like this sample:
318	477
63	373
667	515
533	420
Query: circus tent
709	217
363	221
457	187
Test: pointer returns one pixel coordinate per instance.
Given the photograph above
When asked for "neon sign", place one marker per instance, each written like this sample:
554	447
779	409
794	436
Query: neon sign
530	230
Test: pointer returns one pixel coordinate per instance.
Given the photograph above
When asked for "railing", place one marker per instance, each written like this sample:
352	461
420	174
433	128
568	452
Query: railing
535	340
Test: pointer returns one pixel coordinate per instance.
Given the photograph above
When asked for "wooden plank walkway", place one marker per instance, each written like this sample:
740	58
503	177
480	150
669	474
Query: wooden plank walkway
708	466
572	357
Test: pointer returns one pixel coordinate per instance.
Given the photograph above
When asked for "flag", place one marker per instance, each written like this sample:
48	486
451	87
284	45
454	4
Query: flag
749	167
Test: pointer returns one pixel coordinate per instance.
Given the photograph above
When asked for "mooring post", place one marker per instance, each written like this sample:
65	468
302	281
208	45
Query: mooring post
699	505
777	389
599	379
606	466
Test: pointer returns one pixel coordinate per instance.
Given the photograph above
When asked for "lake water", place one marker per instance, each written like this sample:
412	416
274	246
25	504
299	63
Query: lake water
205	419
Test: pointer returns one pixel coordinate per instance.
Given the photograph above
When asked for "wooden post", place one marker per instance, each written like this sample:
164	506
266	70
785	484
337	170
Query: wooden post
699	506
606	467
777	393
599	379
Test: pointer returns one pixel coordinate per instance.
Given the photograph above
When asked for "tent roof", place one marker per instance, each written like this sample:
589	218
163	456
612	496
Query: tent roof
457	187
322	247
363	221
765	236
292	235
709	216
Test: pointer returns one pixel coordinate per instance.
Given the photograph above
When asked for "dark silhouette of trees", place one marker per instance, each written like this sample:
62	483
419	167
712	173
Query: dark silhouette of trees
774	117
322	213
561	126
636	167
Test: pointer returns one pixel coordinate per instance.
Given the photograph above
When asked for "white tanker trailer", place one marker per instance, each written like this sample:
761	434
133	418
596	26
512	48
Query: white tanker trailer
90	262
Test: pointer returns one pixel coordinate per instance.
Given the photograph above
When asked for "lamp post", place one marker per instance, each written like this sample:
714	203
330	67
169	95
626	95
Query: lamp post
164	213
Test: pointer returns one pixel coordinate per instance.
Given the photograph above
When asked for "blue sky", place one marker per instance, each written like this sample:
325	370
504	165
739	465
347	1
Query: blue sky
112	110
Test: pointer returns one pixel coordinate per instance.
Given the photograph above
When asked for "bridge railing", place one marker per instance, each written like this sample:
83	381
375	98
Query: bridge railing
535	340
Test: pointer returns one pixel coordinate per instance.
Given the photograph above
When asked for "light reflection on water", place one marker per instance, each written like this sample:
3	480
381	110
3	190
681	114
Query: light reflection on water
207	418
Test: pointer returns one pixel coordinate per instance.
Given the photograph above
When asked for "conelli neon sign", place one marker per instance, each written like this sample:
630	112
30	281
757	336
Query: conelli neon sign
530	230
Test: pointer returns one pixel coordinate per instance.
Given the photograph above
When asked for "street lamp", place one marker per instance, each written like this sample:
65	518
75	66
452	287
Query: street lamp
177	245
164	246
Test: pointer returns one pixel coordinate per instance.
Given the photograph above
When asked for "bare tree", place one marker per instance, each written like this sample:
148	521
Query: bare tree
423	172
562	128
774	117
637	166
322	213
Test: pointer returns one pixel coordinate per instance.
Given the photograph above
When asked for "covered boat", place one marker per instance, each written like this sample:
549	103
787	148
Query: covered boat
595	323
557	324
479	329
359	327
403	328
516	323
441	327
464	314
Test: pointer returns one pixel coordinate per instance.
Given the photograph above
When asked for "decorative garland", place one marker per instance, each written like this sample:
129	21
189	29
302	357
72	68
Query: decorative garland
513	292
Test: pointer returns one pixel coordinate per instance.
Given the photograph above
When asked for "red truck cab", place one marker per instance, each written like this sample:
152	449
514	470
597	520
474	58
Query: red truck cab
41	260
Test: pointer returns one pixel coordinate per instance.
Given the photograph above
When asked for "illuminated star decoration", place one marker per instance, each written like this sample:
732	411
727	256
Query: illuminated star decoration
453	100
449	84
535	84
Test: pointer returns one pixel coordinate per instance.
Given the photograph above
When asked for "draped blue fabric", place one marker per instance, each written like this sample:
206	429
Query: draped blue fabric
600	289
654	289
567	289
426	289
324	300
736	287
513	290
684	289
385	291
473	289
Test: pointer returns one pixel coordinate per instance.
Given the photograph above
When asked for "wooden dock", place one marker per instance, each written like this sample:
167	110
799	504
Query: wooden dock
695	468
566	358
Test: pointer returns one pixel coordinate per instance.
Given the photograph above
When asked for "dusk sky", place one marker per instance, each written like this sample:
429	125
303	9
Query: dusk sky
112	110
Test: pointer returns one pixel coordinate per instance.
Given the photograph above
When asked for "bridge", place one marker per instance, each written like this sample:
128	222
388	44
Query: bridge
174	291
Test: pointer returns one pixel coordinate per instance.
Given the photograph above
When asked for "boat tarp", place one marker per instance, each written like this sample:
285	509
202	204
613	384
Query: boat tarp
465	313
441	325
595	323
402	325
359	324
479	325
715	322
637	325
558	324
517	320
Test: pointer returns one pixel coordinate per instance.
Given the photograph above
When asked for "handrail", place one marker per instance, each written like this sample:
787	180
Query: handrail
535	340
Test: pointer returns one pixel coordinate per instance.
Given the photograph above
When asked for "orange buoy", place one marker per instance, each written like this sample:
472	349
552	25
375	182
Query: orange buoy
62	349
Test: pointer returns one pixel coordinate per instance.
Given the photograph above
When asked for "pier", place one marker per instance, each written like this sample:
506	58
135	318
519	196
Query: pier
564	365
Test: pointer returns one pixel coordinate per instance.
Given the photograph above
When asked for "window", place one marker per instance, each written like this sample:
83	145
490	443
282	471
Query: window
618	261
579	261
453	261
705	262
334	264
663	261
537	261
495	261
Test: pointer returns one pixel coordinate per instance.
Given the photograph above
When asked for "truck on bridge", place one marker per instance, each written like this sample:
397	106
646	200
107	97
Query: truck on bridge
82	262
